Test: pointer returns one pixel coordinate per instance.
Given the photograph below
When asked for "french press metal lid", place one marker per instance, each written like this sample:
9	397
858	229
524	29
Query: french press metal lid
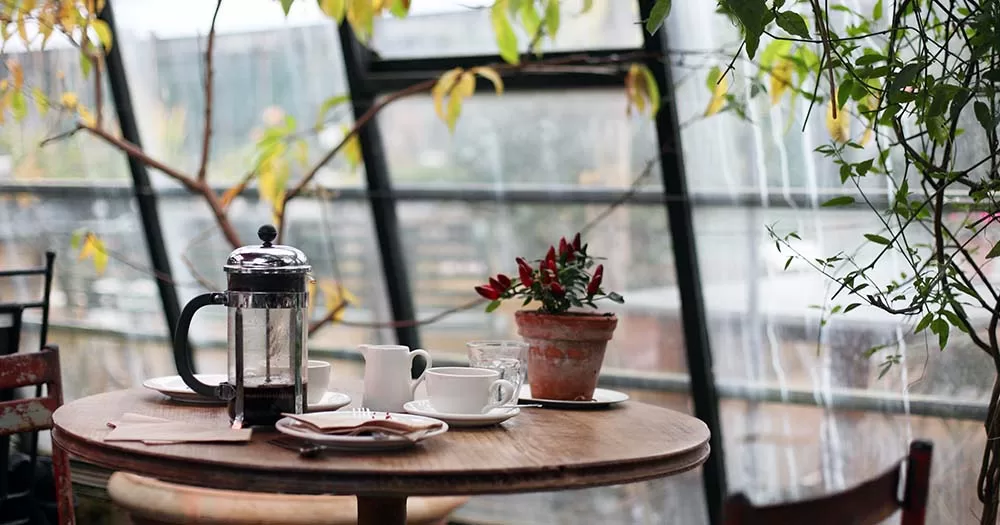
267	300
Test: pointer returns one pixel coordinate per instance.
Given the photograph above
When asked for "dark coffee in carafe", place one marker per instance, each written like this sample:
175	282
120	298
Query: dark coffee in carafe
264	404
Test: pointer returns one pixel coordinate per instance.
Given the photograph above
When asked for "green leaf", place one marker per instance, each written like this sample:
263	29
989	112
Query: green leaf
400	8
776	49
18	106
329	104
337	9
903	79
994	251
286	5
526	301
877	239
657	15
492	306
552	18
85	65
868	59
843	200
851	307
924	323
864	167
844	91
793	23
713	78
941	327
983	115
504	32
529	18
103	32
753	16
954	320
877	10
76	238
587	6
788	262
616	298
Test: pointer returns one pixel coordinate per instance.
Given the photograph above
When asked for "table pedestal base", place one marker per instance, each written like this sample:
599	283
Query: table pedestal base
381	510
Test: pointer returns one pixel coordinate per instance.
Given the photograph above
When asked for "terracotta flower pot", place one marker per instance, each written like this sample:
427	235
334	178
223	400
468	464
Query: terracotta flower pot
565	352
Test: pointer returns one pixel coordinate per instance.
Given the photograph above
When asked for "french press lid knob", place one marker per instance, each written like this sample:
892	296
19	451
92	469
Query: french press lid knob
267	258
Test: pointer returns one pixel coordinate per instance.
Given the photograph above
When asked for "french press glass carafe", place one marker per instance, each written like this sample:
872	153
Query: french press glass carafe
267	300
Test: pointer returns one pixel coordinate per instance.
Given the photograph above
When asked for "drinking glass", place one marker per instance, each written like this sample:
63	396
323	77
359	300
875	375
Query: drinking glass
510	358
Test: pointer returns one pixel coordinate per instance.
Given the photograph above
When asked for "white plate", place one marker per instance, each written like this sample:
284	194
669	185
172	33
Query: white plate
331	401
603	397
174	388
291	427
422	407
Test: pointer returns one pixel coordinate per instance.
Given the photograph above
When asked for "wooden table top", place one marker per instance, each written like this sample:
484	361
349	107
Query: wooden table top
540	449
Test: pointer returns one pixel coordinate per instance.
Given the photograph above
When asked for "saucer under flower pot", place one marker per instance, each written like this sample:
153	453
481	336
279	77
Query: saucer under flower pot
565	352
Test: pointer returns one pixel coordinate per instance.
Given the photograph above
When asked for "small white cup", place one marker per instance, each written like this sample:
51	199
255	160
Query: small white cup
460	390
318	378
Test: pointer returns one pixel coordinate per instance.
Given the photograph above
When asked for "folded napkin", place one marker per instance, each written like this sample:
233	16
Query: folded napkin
158	431
345	424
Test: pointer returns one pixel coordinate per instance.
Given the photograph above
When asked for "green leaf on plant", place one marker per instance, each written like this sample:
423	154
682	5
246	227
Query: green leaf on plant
657	15
851	307
868	59
924	323
788	262
329	104
843	200
552	18
994	251
526	301
492	306
954	320
903	79
793	23
286	5
983	116
863	167
877	239
504	32
877	10
941	327
76	238
753	16
616	298
844	91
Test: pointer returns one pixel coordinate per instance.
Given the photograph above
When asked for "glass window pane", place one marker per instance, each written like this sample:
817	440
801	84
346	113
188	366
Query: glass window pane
265	73
452	247
462	27
577	139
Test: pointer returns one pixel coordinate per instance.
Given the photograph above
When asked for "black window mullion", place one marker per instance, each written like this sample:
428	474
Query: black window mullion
383	206
679	215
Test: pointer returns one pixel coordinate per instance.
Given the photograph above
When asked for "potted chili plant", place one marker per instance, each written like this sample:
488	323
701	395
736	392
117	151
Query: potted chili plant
566	342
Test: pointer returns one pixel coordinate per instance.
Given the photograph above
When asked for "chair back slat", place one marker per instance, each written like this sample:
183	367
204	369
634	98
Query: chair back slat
26	415
869	503
33	368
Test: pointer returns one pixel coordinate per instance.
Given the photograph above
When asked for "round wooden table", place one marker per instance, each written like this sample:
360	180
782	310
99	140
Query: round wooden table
539	450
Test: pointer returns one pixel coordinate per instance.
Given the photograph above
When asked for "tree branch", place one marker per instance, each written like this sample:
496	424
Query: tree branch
206	144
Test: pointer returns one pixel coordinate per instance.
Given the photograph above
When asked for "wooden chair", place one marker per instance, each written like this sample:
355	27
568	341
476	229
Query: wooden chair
152	502
32	414
866	504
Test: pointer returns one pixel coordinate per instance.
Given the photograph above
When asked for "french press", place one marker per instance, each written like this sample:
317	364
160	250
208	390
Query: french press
267	298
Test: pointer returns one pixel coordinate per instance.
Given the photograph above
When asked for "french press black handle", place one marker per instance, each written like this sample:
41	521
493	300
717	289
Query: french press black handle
182	352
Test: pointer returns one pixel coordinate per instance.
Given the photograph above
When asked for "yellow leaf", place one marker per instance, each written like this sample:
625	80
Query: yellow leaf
867	136
378	5
68	100
632	94
16	72
352	149
443	87
781	78
840	127
46	23
336	298
93	248
22	31
41	101
272	178
466	86
454	111
652	90
333	9
718	100
361	16
100	5
103	32
67	16
229	195
85	115
491	74
27	5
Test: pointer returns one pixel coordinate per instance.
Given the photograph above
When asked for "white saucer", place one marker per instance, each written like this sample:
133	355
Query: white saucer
603	398
174	388
422	407
291	427
331	401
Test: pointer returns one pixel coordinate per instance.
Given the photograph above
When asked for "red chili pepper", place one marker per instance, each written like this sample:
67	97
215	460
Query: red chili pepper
551	255
524	271
488	292
599	270
594	285
496	285
544	272
563	247
557	290
576	242
504	281
552	267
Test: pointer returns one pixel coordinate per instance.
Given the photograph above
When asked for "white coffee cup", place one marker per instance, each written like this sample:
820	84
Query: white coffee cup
461	390
318	378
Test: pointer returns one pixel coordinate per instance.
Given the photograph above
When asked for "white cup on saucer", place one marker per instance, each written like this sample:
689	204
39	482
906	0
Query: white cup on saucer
462	390
318	378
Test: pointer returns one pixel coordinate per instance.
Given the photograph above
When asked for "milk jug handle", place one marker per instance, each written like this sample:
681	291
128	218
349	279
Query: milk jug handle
427	357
